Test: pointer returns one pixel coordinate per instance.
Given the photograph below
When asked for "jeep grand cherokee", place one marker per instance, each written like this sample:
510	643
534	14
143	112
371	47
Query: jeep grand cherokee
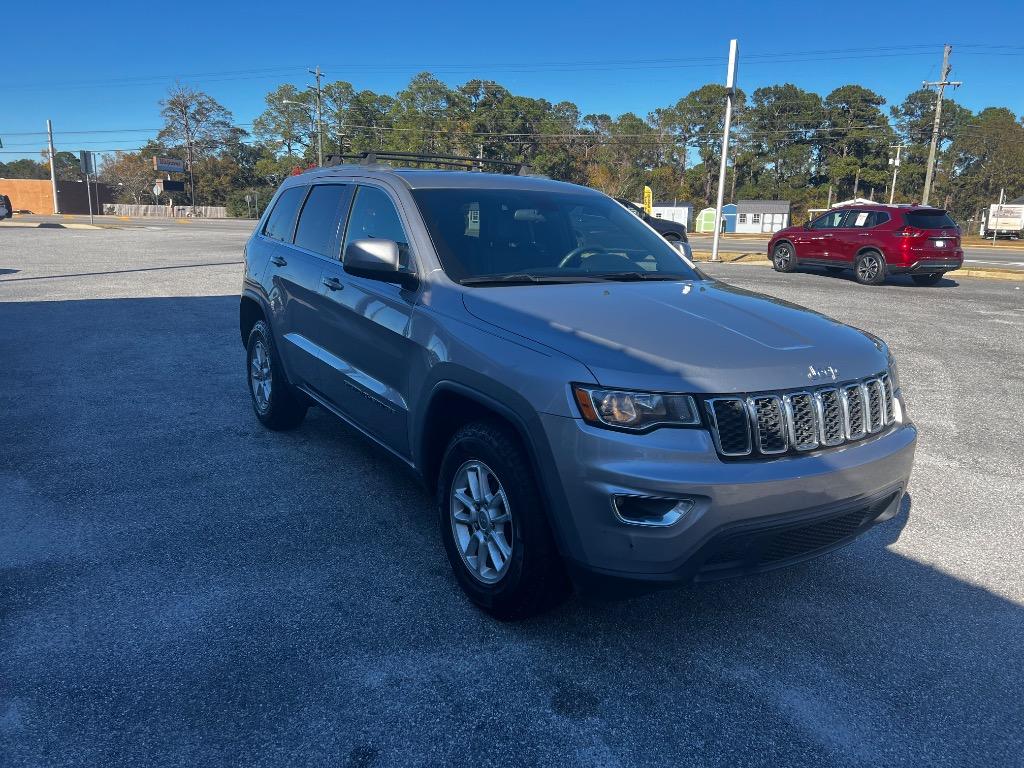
587	406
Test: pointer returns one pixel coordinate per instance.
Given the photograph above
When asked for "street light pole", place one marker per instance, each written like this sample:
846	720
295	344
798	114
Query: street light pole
319	116
895	169
730	89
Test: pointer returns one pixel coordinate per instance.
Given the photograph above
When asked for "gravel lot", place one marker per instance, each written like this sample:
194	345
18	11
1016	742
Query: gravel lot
180	587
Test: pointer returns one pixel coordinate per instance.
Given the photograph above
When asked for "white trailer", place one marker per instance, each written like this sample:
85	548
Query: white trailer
1004	220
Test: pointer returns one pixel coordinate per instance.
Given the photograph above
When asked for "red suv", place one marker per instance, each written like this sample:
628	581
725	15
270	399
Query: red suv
873	241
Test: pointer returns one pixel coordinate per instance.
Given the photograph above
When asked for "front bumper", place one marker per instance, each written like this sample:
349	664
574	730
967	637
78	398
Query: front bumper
747	516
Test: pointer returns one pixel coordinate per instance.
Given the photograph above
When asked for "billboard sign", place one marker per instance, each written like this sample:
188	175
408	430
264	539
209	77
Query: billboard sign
168	164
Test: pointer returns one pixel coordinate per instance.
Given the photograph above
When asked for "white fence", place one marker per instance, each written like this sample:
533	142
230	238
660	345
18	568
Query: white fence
166	211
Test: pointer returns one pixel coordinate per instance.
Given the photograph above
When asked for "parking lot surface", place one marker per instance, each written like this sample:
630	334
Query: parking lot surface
179	586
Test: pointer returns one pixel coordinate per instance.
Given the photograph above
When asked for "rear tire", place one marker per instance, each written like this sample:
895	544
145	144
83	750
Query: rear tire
276	404
870	268
783	257
501	514
931	279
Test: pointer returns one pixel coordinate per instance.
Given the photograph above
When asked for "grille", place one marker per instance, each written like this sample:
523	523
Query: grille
771	424
853	400
774	544
730	425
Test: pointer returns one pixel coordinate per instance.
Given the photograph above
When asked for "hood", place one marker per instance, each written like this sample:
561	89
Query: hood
700	336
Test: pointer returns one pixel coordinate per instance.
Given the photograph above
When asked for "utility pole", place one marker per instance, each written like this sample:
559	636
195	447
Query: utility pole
319	116
53	167
940	86
191	172
895	169
730	90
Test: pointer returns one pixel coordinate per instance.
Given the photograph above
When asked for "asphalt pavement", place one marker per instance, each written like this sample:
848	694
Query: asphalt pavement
179	586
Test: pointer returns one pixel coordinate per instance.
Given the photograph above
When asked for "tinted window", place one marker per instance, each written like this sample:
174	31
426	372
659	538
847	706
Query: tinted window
374	217
282	218
866	219
318	222
928	219
830	220
488	233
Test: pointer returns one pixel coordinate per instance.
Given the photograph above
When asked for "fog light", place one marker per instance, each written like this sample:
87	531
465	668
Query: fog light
650	510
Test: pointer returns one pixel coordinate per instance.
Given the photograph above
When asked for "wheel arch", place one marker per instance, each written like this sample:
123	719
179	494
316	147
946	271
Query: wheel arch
250	312
870	249
451	404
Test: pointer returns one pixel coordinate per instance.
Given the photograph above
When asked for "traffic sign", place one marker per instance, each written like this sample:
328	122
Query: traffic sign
156	190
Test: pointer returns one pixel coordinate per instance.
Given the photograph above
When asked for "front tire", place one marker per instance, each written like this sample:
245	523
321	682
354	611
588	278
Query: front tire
494	525
783	257
931	279
275	403
870	268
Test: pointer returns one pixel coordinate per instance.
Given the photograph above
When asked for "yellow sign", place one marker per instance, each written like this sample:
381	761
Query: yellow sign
648	200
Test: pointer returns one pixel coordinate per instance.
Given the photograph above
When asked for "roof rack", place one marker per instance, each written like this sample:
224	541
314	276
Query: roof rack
416	158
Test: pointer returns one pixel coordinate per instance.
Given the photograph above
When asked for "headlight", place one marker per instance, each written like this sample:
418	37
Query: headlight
634	410
894	373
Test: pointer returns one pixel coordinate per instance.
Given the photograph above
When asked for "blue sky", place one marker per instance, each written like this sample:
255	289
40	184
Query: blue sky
105	70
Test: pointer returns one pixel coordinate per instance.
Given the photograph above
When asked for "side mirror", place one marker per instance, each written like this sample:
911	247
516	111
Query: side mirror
377	260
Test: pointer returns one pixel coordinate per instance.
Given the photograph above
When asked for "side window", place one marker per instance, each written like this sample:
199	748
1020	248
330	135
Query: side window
374	217
743	218
281	221
321	214
830	220
865	219
755	218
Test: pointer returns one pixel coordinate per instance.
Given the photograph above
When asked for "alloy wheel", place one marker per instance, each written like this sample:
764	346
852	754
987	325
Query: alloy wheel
782	257
481	521
868	267
260	378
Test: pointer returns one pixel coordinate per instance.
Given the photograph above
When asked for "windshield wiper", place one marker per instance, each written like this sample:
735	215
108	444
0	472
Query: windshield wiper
631	276
524	279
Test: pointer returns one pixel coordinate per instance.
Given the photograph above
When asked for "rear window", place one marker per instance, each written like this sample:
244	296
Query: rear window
929	220
282	219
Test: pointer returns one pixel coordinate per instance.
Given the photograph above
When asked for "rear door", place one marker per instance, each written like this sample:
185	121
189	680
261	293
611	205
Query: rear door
366	323
293	281
860	229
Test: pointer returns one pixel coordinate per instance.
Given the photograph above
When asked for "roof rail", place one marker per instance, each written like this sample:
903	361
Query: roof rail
416	158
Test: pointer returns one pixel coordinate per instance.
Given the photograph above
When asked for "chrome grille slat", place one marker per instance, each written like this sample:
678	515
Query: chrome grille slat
803	422
853	410
771	424
830	417
730	425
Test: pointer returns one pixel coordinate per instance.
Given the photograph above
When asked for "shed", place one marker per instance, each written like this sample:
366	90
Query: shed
681	213
706	219
762	215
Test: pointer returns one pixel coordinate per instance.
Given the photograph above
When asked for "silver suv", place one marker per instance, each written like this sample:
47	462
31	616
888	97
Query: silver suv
589	408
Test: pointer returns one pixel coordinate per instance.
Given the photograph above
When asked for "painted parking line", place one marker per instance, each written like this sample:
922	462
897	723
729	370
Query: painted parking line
996	263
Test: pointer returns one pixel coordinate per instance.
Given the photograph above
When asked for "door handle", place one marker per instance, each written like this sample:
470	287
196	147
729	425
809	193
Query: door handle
278	261
333	283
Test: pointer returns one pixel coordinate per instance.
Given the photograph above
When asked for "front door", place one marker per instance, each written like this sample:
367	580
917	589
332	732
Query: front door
367	350
818	236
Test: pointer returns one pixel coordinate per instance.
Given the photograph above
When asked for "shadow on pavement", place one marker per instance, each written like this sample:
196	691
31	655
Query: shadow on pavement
180	586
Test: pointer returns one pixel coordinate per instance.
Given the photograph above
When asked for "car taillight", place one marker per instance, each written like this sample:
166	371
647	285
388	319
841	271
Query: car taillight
909	232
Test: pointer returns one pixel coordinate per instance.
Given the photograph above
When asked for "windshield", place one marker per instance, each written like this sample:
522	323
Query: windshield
510	235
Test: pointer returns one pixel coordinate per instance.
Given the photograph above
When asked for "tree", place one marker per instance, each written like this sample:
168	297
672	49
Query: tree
854	150
288	124
197	121
913	121
782	128
24	169
130	175
985	156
